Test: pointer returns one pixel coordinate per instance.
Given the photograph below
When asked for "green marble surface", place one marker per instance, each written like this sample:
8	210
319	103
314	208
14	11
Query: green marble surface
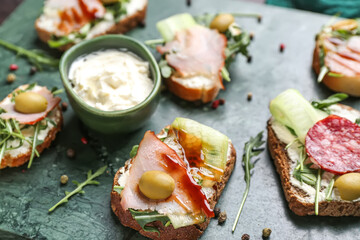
26	195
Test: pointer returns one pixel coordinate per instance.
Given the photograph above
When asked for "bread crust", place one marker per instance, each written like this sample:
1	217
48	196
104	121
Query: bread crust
345	84
9	161
123	26
166	233
294	195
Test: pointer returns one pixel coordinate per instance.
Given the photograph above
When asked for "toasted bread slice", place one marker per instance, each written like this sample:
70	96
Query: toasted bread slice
124	25
295	195
188	232
346	81
12	159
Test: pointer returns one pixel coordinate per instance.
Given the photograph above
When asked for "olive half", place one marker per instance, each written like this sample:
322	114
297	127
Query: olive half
30	102
222	22
156	185
348	186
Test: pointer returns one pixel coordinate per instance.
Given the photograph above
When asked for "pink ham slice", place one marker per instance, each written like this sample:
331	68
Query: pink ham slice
33	118
334	144
187	197
196	51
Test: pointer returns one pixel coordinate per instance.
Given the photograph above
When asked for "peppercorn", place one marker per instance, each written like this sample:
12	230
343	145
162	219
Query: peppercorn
251	36
70	153
245	237
266	232
249	59
64	106
222	218
188	3
217	212
33	70
64	179
221	101
13	67
11	78
249	96
282	47
215	104
259	19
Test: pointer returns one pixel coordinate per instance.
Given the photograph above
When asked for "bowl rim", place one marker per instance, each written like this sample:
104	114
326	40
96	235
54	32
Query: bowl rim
149	57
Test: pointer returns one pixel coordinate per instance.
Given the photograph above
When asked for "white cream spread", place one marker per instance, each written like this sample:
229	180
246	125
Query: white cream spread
111	79
285	136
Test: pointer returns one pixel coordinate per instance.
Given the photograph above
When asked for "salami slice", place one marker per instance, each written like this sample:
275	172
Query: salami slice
334	145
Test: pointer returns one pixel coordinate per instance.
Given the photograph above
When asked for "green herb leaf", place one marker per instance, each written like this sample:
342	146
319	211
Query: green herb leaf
357	121
133	151
329	190
118	188
251	149
154	42
305	174
80	186
225	74
34	143
56	90
333	99
59	42
318	184
332	74
323	71
144	217
165	69
33	56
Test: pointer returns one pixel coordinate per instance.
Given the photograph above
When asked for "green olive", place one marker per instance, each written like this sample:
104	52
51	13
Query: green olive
348	186
30	102
156	185
222	22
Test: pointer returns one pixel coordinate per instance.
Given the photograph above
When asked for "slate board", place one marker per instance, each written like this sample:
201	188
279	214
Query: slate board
26	195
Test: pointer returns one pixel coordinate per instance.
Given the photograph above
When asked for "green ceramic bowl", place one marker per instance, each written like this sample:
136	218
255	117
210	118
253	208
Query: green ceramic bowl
122	121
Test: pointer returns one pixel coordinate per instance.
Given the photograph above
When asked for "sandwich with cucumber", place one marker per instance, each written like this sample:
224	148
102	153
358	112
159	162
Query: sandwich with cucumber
65	23
196	53
316	150
30	118
171	184
337	56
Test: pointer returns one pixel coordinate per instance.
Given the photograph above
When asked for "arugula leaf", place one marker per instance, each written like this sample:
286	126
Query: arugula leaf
329	189
133	151
117	9
225	74
144	217
306	174
56	90
88	181
357	121
333	99
251	149
59	42
118	189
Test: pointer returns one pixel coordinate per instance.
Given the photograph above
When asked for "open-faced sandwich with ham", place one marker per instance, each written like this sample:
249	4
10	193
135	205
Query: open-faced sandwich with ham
169	187
196	53
337	56
64	23
316	150
30	117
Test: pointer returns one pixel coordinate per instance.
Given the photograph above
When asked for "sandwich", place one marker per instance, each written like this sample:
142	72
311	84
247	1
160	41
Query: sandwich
336	57
30	118
171	184
196	53
65	23
316	150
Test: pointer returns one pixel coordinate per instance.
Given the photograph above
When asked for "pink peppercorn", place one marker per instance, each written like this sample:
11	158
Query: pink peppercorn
84	140
13	67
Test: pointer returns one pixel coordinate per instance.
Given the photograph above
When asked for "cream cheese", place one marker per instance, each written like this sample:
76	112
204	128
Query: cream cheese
293	152
111	79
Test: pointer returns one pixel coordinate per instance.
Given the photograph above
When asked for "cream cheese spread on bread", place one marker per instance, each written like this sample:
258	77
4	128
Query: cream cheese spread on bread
293	152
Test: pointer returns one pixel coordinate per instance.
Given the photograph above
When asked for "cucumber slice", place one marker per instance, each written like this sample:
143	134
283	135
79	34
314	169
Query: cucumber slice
169	26
214	145
291	109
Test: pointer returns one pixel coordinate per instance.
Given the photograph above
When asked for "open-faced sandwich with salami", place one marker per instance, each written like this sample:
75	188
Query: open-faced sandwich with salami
30	117
337	56
64	23
316	151
196	53
169	187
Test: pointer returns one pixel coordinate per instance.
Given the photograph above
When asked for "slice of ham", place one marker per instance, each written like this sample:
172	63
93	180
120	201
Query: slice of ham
187	197
333	144
196	51
74	14
32	118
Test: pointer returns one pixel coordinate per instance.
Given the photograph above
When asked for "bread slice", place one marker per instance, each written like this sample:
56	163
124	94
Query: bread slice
345	83
16	160
124	25
188	232
295	195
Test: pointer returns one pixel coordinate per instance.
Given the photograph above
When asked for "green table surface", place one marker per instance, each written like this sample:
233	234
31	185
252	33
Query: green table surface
26	195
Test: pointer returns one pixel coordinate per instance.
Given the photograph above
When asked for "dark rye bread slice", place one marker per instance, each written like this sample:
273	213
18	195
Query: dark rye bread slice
294	195
123	26
9	161
169	233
